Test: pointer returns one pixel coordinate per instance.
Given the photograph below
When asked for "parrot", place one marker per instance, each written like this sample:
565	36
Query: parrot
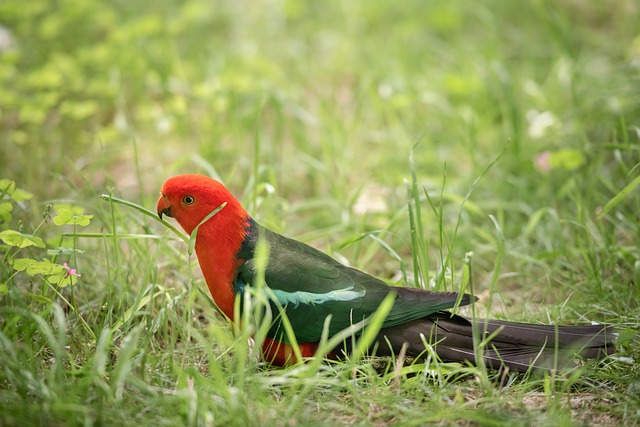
320	295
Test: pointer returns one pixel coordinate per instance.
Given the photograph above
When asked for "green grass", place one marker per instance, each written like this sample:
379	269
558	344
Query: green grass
396	136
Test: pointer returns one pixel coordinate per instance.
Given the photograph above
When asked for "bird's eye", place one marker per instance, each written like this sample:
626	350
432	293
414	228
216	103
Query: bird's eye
188	200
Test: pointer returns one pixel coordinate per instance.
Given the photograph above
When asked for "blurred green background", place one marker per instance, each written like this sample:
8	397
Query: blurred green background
325	101
337	92
316	114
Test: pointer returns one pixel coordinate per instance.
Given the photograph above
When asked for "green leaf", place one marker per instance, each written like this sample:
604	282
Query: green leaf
567	159
20	195
3	289
63	215
21	264
9	187
62	280
5	184
15	238
5	211
71	216
33	267
61	250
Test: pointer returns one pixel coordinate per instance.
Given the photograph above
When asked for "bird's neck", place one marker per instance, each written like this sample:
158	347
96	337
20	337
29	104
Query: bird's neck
217	245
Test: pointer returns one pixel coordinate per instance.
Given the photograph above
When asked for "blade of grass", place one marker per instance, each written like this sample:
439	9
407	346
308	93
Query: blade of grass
194	233
145	211
615	200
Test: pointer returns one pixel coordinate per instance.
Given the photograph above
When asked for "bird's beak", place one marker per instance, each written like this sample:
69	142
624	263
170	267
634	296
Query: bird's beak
162	207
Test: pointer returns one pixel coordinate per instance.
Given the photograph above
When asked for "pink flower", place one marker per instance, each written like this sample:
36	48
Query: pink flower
542	161
71	271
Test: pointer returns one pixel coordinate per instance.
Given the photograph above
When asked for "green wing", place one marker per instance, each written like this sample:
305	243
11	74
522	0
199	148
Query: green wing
310	285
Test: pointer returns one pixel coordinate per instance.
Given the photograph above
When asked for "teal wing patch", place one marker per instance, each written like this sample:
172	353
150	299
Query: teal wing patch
309	298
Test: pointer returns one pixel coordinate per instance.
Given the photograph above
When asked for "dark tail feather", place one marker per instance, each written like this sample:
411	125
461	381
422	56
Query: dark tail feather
518	346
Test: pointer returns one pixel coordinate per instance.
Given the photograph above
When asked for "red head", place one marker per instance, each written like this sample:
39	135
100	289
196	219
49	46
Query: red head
190	198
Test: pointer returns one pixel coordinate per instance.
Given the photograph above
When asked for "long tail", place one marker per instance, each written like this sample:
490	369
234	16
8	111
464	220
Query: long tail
519	346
